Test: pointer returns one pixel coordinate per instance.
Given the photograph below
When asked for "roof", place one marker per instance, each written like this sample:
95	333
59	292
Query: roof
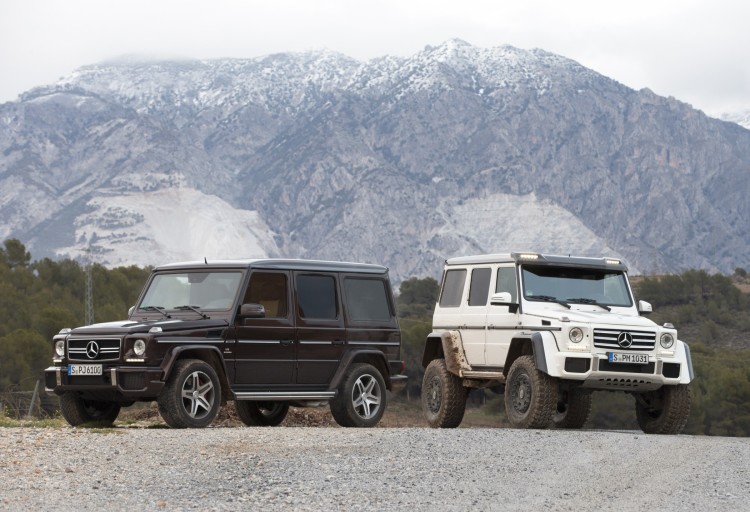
278	264
533	258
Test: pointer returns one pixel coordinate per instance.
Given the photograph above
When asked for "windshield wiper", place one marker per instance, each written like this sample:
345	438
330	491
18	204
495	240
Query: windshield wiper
193	308
584	300
156	308
549	298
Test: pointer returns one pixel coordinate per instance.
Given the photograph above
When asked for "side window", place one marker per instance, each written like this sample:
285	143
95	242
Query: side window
269	290
480	286
366	299
506	282
453	287
316	297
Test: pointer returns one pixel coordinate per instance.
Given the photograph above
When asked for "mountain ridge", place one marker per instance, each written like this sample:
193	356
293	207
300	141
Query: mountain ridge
397	160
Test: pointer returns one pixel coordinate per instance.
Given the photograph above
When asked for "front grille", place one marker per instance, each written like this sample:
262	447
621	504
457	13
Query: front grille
94	349
607	338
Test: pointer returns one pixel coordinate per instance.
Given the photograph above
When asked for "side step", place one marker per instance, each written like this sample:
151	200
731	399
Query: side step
284	395
475	374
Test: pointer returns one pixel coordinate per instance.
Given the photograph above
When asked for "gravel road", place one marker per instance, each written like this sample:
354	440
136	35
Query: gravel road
292	468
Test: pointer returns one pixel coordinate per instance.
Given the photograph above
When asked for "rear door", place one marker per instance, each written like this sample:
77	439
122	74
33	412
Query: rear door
321	336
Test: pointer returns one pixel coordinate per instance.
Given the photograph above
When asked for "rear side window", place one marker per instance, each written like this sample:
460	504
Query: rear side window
480	286
316	297
366	299
453	288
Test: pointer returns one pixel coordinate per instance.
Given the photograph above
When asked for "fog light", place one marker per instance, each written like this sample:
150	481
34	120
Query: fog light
139	347
60	348
576	334
666	340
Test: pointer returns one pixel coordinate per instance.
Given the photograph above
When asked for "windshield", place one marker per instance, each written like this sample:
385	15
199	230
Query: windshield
202	290
575	285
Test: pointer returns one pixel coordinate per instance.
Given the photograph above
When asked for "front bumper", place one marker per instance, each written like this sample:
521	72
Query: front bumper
135	383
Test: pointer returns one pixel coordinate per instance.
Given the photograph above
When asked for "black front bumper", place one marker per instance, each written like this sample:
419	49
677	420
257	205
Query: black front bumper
116	382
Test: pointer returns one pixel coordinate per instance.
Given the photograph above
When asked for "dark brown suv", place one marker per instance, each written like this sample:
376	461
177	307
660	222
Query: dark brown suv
265	333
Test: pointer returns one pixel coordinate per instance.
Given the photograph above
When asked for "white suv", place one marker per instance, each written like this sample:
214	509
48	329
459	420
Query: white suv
547	330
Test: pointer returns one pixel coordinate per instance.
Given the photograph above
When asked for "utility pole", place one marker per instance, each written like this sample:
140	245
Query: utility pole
89	289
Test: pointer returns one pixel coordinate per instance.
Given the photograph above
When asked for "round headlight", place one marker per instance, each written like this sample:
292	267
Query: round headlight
575	334
139	347
60	347
666	340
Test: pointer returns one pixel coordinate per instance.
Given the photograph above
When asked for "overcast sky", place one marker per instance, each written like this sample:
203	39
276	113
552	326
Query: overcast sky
696	51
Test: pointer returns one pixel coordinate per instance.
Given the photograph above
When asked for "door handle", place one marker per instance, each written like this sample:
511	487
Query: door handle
286	343
339	342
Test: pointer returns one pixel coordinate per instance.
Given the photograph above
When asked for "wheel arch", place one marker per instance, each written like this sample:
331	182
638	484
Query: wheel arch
369	356
207	353
527	345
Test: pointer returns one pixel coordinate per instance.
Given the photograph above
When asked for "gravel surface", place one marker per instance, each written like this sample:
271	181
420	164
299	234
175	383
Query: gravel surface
292	468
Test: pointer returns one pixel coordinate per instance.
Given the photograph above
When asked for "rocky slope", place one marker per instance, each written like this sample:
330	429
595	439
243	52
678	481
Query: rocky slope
401	161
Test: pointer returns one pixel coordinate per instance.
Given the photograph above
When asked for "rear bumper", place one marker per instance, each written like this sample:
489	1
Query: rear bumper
398	382
135	383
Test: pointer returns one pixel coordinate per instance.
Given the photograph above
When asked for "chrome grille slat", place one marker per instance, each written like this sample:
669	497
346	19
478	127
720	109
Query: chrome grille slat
108	349
607	338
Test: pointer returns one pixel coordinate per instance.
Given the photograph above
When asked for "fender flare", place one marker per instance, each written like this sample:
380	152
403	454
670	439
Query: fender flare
369	354
452	348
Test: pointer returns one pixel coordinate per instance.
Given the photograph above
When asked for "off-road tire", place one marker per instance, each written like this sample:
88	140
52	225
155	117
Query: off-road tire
261	414
361	397
530	395
192	395
78	411
573	408
443	396
664	411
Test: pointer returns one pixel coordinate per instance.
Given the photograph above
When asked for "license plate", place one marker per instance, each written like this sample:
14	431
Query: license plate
620	357
84	369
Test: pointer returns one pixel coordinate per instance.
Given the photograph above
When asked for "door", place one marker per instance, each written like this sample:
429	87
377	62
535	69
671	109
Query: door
321	335
474	313
265	348
502	321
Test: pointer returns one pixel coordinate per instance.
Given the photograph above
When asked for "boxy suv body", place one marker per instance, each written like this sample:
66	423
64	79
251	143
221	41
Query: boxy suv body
265	333
546	331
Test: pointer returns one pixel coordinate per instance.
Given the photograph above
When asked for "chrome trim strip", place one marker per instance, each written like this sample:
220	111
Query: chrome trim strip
316	343
189	340
259	342
386	343
284	395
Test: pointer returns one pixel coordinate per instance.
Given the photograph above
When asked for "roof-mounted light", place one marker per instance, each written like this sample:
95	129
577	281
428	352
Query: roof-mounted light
527	256
612	261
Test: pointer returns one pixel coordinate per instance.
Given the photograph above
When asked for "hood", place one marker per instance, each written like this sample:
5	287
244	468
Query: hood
600	316
132	326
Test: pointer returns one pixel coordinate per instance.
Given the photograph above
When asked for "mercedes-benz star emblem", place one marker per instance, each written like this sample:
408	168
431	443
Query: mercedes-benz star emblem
92	349
625	339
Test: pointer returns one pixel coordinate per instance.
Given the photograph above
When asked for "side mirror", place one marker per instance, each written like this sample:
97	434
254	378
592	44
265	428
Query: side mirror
502	299
252	311
130	311
644	307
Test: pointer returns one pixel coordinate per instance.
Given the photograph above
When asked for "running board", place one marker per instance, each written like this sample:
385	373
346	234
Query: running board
482	375
284	395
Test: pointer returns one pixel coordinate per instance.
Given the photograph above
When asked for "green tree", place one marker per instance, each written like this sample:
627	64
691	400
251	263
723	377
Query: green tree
23	355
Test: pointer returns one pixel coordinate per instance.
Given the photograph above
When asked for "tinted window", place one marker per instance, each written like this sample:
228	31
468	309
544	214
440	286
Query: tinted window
366	299
506	282
269	290
316	296
480	286
453	287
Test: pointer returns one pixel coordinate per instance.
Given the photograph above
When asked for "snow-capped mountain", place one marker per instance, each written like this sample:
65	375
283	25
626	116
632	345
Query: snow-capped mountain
742	118
400	161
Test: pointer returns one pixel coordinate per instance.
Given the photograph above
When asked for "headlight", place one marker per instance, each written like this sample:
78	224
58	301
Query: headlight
139	347
60	348
666	340
575	334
